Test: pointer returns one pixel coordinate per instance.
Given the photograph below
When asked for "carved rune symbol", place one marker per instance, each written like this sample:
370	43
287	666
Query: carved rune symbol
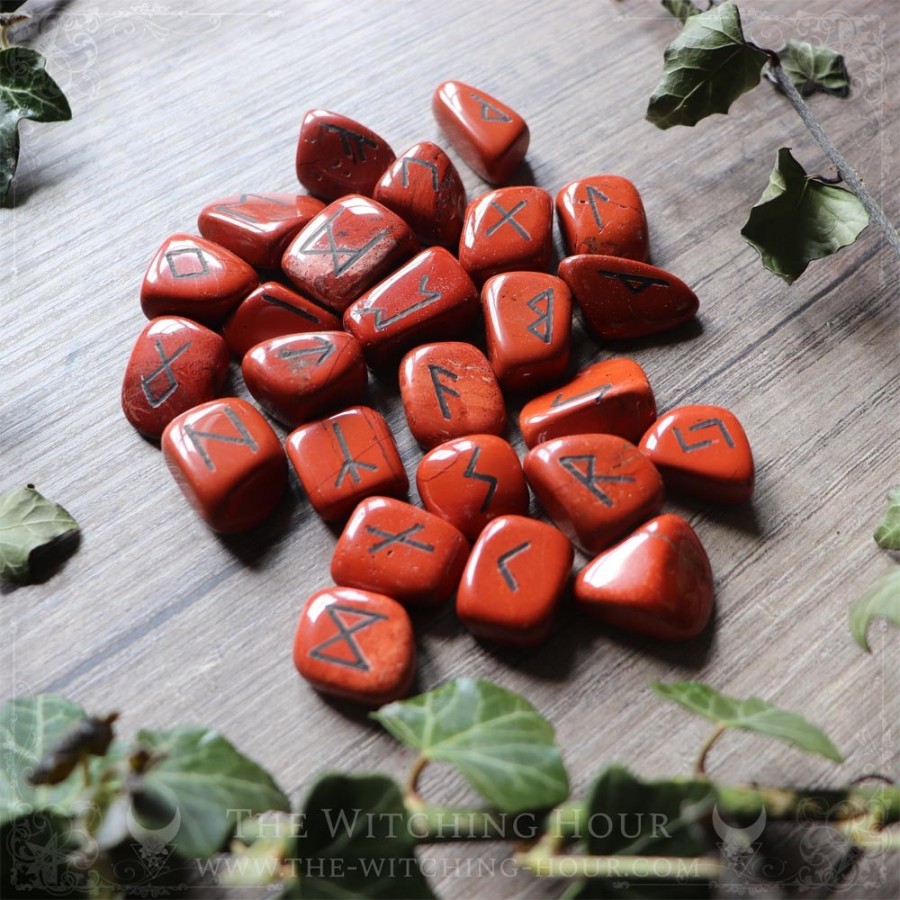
441	390
489	112
428	297
165	362
601	392
542	326
699	445
389	538
502	561
281	304
350	466
235	210
187	263
353	144
593	196
634	284
508	217
589	479
302	355
343	642
414	160
490	480
350	255
244	437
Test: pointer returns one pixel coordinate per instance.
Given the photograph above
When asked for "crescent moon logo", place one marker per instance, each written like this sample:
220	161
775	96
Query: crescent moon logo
740	838
155	838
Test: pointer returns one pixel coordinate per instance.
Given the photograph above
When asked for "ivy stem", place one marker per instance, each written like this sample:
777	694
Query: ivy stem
620	866
4	37
413	797
847	172
700	764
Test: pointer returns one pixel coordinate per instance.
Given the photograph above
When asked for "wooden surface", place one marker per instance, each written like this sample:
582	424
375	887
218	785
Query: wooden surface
157	617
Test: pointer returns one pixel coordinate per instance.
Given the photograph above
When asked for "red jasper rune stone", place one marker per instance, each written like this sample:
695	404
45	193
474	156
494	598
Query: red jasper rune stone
423	187
353	243
356	645
175	364
657	582
257	227
491	137
337	156
195	278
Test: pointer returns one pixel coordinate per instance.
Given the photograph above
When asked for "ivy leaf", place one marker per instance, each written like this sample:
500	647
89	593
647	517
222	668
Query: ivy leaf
812	67
751	714
706	68
26	92
887	534
496	740
882	599
198	787
29	727
28	522
647	818
682	9
356	842
799	218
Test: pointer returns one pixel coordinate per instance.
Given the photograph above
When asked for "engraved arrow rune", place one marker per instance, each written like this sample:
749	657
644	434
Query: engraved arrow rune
322	347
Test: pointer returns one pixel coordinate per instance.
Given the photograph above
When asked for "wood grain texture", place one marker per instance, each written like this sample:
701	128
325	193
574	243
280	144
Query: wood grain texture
157	617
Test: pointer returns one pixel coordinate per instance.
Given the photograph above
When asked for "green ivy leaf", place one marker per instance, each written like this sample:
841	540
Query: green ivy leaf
799	218
648	818
356	842
28	522
26	92
887	534
882	599
812	67
705	69
496	740
751	714
203	783
29	727
682	9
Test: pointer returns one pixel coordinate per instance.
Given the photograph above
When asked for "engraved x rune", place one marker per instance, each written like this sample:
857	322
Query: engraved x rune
156	400
350	466
589	478
389	538
345	638
351	254
508	217
699	445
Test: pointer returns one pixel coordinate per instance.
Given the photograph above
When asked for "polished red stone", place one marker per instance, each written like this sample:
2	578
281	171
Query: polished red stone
449	390
345	458
603	214
470	481
257	227
595	487
400	550
657	582
337	156
352	244
702	450
491	137
303	376
228	462
175	364
621	298
195	278
271	311
528	325
510	229
612	396
423	187
429	298
514	580
356	645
